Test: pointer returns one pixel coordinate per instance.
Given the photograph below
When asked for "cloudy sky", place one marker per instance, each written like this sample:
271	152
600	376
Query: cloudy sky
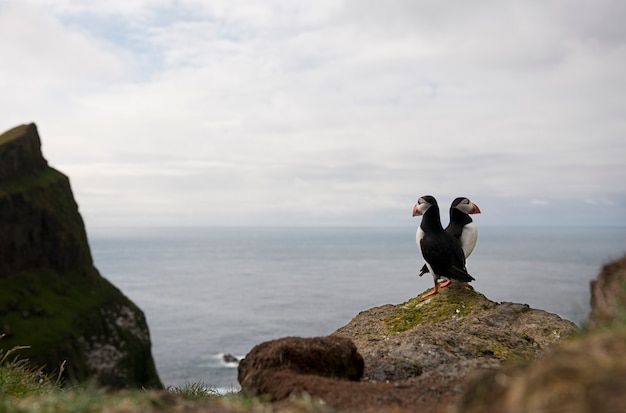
326	112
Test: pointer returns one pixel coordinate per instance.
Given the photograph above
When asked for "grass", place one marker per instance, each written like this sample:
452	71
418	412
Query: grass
18	379
194	391
24	389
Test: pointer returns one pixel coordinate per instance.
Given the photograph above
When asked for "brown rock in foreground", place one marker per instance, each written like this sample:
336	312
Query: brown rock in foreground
325	369
584	375
262	371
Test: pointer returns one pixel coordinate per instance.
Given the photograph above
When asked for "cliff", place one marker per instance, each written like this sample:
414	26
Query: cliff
52	298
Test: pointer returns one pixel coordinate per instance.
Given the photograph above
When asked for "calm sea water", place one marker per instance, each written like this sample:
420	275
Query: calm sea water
211	291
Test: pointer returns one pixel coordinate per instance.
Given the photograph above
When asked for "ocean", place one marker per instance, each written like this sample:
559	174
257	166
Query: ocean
207	292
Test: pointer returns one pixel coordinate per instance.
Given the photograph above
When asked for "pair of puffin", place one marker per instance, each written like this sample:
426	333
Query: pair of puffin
445	251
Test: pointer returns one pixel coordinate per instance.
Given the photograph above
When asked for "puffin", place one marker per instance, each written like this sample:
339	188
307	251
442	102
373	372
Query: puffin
461	227
442	252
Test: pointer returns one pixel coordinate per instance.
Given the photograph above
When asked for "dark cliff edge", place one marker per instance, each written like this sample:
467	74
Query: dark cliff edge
52	298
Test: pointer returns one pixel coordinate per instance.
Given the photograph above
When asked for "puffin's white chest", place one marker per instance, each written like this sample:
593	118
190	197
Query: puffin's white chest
468	238
418	237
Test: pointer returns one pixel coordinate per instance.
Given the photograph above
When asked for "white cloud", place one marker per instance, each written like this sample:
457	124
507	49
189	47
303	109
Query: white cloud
191	109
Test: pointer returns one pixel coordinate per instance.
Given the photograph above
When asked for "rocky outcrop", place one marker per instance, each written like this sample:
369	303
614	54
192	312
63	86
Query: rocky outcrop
40	224
418	354
455	331
583	375
52	298
20	151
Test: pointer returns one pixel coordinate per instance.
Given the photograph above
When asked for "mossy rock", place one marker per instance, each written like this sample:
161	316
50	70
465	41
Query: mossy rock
456	329
441	306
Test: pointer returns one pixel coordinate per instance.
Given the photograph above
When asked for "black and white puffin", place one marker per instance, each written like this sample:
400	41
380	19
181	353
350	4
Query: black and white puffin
442	252
461	226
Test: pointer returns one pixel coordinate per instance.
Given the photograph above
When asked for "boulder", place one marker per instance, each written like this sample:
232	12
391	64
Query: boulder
454	332
52	298
270	366
229	358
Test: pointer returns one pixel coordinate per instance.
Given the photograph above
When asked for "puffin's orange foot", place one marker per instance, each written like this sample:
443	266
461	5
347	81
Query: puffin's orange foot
433	292
445	284
468	285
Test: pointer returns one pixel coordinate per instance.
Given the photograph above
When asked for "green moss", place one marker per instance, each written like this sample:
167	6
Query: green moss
42	308
449	303
26	183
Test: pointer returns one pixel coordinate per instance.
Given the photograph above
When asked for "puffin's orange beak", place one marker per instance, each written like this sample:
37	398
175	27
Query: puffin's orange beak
415	210
475	209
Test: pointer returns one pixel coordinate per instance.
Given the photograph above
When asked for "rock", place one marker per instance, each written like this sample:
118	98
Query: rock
608	295
229	358
51	296
270	367
20	151
585	375
581	375
454	332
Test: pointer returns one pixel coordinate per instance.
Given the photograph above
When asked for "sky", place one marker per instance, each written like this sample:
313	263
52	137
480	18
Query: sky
326	112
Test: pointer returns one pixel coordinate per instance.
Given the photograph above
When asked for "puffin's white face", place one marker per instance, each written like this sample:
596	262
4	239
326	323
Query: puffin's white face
468	207
421	207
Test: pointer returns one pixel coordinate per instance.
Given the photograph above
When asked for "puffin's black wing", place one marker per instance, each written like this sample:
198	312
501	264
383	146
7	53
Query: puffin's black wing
445	256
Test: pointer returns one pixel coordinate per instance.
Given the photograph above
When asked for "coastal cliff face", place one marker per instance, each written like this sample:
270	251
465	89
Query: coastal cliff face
52	298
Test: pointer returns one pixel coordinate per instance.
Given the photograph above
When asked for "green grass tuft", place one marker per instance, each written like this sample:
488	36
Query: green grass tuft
194	391
18	379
